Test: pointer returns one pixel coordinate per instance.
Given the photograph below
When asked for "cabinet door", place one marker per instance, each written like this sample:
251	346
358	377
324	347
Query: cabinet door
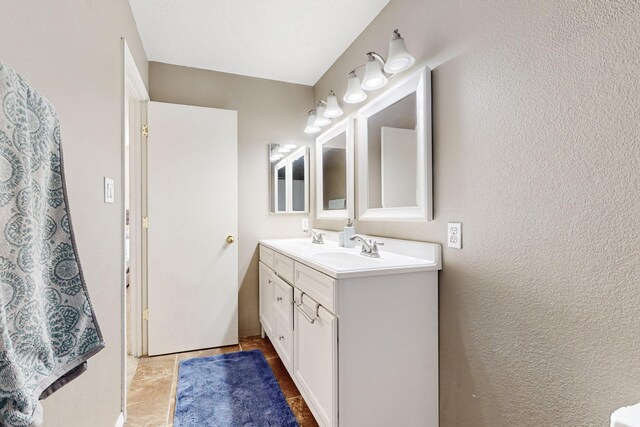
315	358
266	299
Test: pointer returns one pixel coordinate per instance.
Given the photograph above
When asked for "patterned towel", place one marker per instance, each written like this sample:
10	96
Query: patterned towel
47	326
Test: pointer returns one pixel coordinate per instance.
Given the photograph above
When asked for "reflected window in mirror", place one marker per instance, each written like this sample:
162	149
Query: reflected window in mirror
334	170
394	153
289	182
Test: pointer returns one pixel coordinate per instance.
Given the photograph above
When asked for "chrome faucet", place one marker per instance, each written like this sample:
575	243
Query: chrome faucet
370	248
317	237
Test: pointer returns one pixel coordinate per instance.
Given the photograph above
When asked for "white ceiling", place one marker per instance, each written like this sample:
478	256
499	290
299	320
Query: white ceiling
288	40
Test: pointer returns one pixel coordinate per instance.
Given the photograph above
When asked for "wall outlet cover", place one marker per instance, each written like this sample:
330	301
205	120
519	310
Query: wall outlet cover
454	235
305	224
109	190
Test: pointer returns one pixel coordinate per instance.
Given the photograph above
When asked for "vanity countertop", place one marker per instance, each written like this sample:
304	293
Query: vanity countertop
342	263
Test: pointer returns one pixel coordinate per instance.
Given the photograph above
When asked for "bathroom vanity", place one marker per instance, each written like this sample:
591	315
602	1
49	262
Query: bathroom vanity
358	335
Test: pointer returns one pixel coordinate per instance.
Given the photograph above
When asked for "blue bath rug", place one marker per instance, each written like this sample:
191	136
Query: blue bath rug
230	390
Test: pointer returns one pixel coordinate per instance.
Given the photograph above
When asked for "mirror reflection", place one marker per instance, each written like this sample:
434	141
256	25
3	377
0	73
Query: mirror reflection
392	155
334	173
289	182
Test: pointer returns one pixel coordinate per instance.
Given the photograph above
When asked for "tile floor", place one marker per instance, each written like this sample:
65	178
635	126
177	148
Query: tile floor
152	393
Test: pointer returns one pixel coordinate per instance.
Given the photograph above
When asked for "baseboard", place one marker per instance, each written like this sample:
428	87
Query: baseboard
249	333
120	422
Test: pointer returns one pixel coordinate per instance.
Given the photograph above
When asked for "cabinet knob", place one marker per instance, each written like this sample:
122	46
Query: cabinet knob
278	298
230	239
281	337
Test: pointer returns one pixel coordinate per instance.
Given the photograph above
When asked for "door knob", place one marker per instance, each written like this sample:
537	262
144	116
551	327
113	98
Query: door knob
230	239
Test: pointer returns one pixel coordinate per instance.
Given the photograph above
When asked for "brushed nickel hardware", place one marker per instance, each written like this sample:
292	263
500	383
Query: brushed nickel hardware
278	298
306	316
298	306
370	248
317	237
281	337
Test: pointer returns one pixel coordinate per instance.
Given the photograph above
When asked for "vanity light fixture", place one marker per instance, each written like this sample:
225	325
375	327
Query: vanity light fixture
376	75
333	108
354	94
311	126
399	57
321	118
374	78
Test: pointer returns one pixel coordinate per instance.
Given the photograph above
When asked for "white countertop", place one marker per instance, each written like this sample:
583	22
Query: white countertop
341	263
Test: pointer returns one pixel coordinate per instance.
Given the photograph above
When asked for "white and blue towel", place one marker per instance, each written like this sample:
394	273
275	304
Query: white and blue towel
48	329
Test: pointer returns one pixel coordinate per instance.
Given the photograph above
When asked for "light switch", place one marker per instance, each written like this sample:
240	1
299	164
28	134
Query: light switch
454	235
109	189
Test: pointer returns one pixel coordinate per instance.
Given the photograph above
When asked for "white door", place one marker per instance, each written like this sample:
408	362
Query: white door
192	173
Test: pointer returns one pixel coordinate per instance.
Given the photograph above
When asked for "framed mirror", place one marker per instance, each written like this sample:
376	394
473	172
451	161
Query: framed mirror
394	153
334	172
289	182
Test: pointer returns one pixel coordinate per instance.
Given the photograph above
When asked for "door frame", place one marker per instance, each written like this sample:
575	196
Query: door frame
133	117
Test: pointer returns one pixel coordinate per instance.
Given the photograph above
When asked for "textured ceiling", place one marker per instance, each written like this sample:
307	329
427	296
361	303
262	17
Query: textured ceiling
288	40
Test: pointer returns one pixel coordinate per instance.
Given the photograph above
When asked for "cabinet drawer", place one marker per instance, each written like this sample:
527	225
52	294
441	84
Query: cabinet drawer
266	256
319	286
283	302
284	344
283	266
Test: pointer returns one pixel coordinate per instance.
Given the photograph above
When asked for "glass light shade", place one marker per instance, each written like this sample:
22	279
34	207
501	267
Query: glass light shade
373	77
321	119
333	108
354	93
399	57
311	127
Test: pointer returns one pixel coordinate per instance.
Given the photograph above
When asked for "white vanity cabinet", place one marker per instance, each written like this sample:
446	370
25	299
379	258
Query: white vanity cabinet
359	340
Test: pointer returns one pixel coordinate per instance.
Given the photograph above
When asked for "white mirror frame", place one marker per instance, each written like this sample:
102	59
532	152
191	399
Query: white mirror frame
420	83
346	126
287	163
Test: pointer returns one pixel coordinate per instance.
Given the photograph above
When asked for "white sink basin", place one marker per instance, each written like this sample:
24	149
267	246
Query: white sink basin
341	260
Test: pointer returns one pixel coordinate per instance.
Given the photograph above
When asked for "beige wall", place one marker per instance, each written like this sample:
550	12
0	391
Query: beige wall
71	51
536	112
268	112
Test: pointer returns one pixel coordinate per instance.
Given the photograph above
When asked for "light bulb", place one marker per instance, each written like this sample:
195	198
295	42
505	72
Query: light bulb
399	57
354	93
311	127
321	119
333	108
373	77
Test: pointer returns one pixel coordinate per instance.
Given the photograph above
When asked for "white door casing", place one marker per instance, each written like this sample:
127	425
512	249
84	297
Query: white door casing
192	207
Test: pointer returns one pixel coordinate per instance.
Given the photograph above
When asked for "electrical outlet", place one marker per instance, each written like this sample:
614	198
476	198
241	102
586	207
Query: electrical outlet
305	224
454	235
109	189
